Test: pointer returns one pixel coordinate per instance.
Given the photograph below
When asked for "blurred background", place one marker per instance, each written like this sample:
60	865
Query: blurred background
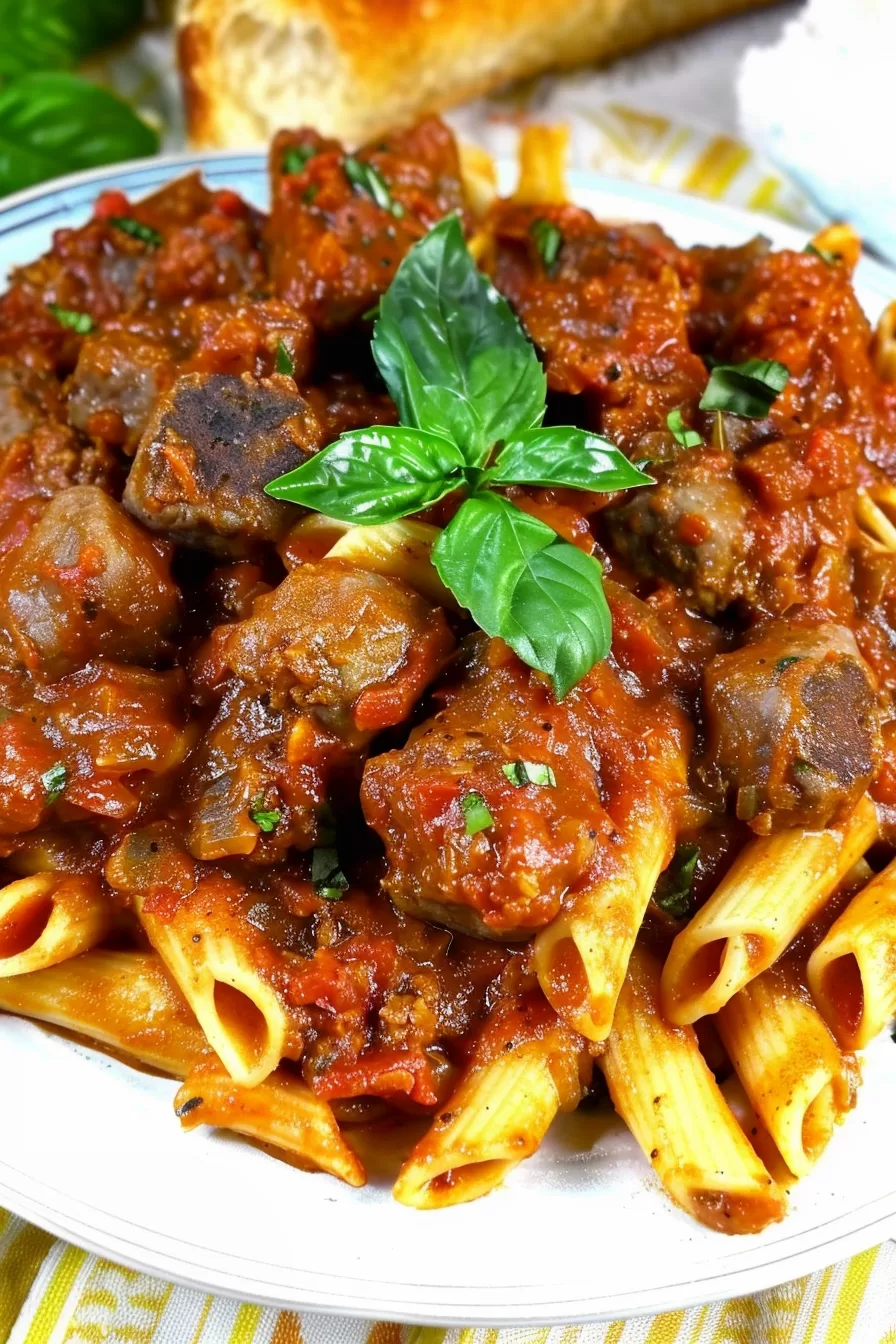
776	107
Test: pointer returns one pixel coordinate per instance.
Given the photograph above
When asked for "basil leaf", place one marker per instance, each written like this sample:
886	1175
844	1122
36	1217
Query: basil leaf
57	123
548	240
831	258
368	178
522	582
688	438
747	389
283	361
674	891
82	323
476	815
329	880
373	475
521	773
296	158
54	781
453	355
55	34
564	455
135	229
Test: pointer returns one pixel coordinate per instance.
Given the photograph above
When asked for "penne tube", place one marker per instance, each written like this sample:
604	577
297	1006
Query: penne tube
662	1087
874	520
479	176
852	972
773	889
582	956
281	1111
123	1000
402	550
243	1018
789	1064
48	918
542	157
498	1114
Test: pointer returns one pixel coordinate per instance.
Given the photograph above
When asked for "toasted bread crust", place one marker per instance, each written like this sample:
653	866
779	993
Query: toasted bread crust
353	68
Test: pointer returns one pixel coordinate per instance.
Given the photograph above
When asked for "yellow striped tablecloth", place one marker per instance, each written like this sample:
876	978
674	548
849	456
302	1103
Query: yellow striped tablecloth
52	1293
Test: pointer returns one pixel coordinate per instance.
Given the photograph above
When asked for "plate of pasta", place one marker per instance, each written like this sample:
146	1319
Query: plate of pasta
447	683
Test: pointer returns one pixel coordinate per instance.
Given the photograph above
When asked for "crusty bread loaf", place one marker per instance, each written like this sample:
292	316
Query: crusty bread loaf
353	68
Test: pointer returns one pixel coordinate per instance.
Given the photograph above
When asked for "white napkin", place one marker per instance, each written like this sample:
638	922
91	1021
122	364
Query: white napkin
820	102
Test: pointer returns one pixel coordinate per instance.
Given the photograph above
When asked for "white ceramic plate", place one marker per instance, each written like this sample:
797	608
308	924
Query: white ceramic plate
90	1149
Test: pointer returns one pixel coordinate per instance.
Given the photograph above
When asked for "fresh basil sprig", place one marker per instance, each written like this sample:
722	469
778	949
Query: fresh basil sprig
747	389
471	397
57	123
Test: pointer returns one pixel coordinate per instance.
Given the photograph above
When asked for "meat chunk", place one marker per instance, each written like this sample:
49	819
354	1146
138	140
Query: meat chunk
504	800
793	724
329	658
239	337
85	582
354	648
334	248
51	458
693	527
608	314
116	381
26	398
212	445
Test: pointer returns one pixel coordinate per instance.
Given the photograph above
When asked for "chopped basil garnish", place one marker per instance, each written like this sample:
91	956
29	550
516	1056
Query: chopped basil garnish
368	178
283	362
82	323
674	892
826	255
747	389
476	815
783	663
135	229
688	438
548	239
295	159
804	767
329	880
471	392
521	773
267	819
54	781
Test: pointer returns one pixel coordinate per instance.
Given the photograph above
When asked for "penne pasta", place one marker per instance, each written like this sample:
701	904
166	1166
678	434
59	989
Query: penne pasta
403	550
542	156
661	1086
774	887
281	1111
479	175
789	1064
582	956
852	972
123	1000
49	917
498	1114
842	241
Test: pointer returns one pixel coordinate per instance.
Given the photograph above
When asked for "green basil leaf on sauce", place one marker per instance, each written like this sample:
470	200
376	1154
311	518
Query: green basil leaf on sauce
548	239
674	892
452	354
564	455
327	877
521	773
374	475
688	438
57	123
54	781
830	258
283	361
151	237
295	159
368	178
522	582
82	323
266	819
747	389
476	815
